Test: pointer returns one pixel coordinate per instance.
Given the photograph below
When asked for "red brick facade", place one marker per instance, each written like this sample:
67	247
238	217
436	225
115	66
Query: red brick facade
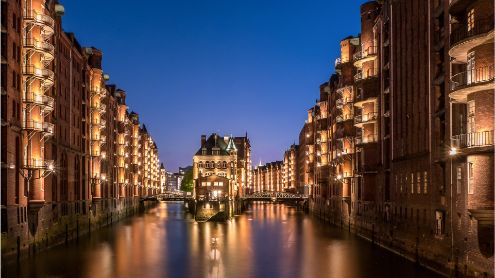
60	147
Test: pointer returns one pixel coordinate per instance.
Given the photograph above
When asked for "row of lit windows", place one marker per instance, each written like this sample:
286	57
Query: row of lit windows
417	182
209	183
212	164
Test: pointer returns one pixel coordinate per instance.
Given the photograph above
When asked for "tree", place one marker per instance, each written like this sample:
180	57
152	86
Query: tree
187	183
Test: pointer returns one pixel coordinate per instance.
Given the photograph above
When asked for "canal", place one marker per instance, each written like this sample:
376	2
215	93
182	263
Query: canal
268	240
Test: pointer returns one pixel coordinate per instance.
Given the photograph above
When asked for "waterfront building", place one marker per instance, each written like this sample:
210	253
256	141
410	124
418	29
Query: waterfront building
469	102
410	133
268	177
290	169
67	155
215	167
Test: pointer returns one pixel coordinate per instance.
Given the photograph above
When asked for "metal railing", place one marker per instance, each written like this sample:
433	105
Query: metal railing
343	101
39	45
463	31
367	117
364	53
49	128
32	125
473	139
472	77
366	139
342	118
39	17
39	72
38	163
44	100
361	76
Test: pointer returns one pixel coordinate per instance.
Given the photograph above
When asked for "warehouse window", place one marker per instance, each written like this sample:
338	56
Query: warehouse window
470	20
412	183
418	182
440	223
459	179
470	178
425	182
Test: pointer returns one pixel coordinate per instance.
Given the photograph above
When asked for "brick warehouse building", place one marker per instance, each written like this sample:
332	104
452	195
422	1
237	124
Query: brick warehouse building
399	146
268	177
222	167
72	156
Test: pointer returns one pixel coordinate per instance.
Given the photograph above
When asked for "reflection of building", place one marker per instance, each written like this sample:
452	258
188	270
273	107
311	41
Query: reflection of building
268	177
216	165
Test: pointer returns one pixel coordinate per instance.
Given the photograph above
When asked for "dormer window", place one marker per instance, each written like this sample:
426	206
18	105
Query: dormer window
203	151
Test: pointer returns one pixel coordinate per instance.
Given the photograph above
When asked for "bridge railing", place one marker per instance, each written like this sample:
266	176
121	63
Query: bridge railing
274	194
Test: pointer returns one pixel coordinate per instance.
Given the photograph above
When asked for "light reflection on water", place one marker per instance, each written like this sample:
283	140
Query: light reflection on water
266	241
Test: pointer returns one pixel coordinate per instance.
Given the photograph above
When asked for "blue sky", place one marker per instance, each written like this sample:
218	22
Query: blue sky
193	67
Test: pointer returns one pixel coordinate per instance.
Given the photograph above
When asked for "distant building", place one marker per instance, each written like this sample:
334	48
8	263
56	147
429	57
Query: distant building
174	180
290	168
268	177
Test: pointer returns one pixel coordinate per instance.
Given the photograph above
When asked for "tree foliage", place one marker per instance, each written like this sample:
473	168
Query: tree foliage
187	183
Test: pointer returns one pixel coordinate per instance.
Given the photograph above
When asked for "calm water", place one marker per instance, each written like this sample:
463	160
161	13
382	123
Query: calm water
266	241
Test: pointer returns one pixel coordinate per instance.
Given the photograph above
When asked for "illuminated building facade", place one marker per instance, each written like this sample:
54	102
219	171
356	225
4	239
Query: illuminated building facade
216	166
406	129
268	177
70	150
290	169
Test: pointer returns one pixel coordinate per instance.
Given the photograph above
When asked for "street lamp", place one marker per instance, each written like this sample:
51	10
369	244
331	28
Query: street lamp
452	151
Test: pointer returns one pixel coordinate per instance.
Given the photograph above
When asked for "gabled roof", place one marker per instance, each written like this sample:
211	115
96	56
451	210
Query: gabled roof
214	141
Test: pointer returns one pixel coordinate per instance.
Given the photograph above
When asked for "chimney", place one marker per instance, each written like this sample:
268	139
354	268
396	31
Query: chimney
203	140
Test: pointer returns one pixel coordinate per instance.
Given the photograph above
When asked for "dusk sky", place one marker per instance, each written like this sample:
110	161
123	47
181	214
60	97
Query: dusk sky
226	66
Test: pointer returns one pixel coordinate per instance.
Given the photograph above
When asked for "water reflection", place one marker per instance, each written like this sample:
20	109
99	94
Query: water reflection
266	241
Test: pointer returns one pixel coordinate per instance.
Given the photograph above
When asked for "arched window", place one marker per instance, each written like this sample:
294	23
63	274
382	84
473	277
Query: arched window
200	164
207	165
212	164
224	164
219	164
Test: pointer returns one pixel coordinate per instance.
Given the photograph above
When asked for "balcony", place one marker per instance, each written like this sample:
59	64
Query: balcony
99	107
341	102
343	118
32	125
360	76
94	91
45	21
464	83
463	39
365	55
473	140
47	102
48	128
47	49
37	163
360	120
360	140
46	75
